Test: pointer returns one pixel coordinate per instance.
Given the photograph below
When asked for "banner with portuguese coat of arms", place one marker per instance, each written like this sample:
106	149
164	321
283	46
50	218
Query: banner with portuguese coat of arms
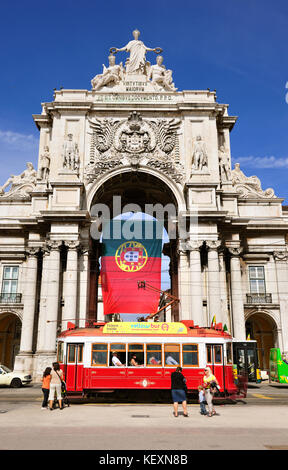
131	252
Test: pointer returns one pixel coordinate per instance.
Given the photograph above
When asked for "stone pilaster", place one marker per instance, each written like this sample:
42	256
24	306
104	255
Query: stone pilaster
214	299
70	285
238	319
195	289
224	317
83	285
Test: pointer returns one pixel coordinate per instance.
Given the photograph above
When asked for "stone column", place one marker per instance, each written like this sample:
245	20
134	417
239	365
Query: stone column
70	285
52	303
29	301
238	319
23	361
83	288
195	290
214	299
183	282
43	300
281	258
223	290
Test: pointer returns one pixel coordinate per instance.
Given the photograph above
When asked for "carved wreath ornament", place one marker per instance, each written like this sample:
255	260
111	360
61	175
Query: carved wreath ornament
134	142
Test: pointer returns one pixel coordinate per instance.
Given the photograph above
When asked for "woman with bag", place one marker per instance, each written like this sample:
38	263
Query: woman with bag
55	385
178	391
208	380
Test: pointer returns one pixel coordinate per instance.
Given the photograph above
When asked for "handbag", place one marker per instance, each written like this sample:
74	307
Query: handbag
63	385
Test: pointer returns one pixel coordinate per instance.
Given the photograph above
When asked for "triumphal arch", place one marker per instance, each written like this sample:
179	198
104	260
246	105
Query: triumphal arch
134	138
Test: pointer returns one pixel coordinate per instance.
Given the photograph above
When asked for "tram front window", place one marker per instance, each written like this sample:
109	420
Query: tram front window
118	355
241	361
172	354
135	355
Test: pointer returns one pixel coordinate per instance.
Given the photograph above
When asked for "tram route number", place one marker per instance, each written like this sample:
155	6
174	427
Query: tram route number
146	459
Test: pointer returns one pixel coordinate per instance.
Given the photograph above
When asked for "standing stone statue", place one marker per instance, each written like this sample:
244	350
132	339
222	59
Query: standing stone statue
28	176
224	164
44	164
70	154
137	49
111	75
199	156
160	76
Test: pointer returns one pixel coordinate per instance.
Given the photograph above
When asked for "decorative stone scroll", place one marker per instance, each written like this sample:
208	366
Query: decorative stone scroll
134	142
21	185
249	186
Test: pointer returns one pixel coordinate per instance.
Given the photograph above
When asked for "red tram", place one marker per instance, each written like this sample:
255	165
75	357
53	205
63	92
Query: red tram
85	356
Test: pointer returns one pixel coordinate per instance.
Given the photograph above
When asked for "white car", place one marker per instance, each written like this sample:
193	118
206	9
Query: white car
13	379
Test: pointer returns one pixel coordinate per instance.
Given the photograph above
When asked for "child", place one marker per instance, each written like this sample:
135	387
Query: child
203	410
45	387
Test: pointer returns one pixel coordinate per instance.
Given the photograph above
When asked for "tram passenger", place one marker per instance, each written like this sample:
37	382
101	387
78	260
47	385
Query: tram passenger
133	361
171	361
153	361
115	360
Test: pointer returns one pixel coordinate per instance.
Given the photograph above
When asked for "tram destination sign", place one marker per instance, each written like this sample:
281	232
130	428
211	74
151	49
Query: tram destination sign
157	328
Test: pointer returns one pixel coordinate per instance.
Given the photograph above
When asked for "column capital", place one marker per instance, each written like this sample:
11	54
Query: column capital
194	245
72	244
32	251
280	255
53	245
213	245
182	247
235	250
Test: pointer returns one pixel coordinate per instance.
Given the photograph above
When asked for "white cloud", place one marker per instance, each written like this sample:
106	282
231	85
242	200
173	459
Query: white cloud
18	140
262	162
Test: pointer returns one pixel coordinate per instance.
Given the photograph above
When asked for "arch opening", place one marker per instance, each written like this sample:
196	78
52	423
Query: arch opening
261	327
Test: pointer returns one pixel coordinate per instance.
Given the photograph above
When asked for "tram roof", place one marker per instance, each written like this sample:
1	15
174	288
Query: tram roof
119	329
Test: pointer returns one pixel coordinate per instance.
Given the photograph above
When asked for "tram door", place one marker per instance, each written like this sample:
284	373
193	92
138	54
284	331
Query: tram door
74	367
245	358
214	360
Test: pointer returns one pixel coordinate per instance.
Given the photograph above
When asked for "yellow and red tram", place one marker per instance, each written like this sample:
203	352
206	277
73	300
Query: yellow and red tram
85	356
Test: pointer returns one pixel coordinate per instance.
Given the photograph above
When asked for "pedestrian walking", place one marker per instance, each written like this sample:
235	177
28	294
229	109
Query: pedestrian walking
55	385
46	387
208	379
178	391
203	410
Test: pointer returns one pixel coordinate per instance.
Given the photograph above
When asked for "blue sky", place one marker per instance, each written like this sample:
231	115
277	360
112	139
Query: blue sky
237	48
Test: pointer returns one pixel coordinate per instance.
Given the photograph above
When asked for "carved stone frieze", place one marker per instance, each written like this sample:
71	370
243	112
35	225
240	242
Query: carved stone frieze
134	142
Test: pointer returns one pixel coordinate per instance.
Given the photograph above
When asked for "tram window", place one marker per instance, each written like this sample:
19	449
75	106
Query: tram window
60	352
154	355
99	354
120	349
80	353
241	360
209	353
172	354
135	355
229	353
218	354
190	354
71	353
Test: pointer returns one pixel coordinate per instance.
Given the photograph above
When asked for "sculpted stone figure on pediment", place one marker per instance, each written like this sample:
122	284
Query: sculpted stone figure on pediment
21	185
249	186
111	75
138	74
44	164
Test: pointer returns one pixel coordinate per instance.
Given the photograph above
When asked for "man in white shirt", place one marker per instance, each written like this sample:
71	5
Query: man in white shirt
115	361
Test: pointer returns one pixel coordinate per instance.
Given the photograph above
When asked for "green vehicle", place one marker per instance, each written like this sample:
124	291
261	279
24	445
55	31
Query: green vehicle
278	367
